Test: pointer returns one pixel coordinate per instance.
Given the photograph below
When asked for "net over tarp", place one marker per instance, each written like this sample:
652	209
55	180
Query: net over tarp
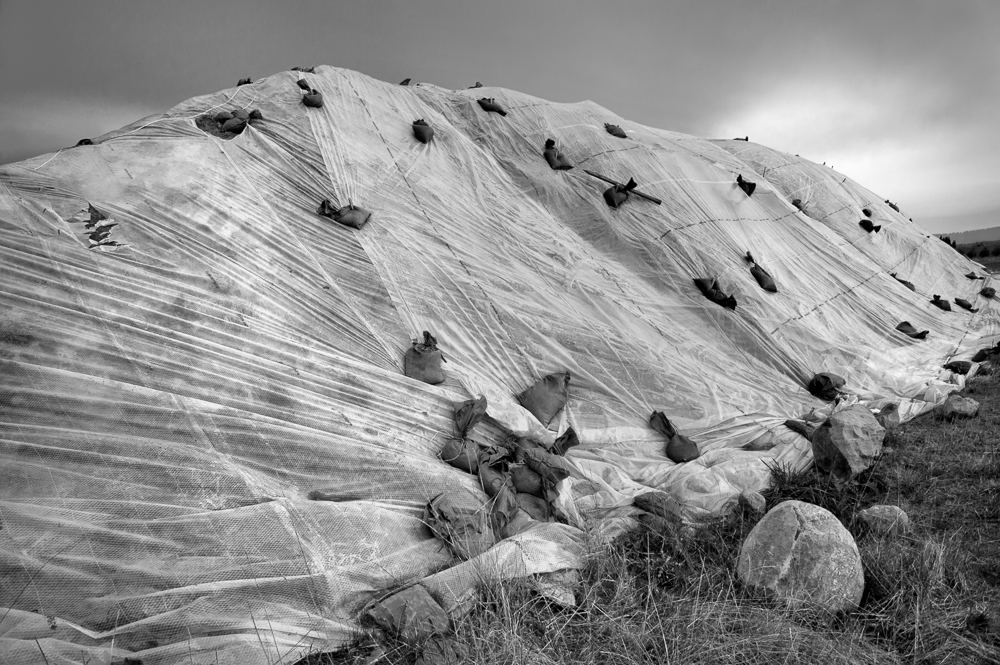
188	350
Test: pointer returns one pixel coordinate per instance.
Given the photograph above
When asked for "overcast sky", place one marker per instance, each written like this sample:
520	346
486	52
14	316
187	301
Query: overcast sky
901	95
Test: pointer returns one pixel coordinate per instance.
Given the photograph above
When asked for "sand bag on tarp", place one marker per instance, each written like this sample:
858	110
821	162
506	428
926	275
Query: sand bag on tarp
313	99
504	509
82	142
709	288
306	70
546	397
243	114
491	478
764	279
959	366
525	480
454	518
537	507
349	215
965	304
255	115
490	105
679	447
234	125
618	194
908	328
244	82
988	292
942	304
411	614
304	85
462	454
552	468
866	212
468	414
867	225
557	161
972	275
747	186
984	354
615	130
523	446
567	440
826	386
422	361
422	131
902	281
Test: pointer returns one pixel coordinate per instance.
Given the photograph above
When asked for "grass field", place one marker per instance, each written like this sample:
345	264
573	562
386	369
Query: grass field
671	596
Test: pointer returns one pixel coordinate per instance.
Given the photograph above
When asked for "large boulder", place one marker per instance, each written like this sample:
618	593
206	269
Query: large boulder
848	442
885	520
804	555
958	407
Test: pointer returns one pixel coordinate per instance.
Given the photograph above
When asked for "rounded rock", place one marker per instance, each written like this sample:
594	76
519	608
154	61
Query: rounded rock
885	520
803	554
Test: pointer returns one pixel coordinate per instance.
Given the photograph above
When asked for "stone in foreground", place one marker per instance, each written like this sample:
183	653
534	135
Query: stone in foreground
803	554
958	407
848	442
885	520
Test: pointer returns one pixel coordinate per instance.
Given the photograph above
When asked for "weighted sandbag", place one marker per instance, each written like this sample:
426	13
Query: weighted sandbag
763	278
679	448
255	115
826	386
568	440
241	113
551	468
867	225
422	131
411	614
305	70
747	186
468	414
959	366
491	479
908	285
907	328
304	85
866	212
313	99
615	130
710	289
546	397
452	518
797	203
405	82
965	304
234	125
244	82
942	304
988	292
351	215
618	194
84	142
523	446
556	160
538	508
223	116
422	361
462	454
490	105
972	275
525	480
504	509
983	354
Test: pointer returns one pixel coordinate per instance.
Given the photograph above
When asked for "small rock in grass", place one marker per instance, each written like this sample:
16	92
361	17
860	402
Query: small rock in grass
885	520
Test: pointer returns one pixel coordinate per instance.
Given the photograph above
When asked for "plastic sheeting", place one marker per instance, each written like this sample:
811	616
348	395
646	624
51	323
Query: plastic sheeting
168	403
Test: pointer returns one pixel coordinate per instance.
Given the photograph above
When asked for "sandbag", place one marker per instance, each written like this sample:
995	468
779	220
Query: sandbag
866	212
412	614
306	70
422	361
615	130
422	131
959	366
908	285
984	354
867	225
490	477
234	125
618	194
304	85
462	454
965	304
468	414
544	399
84	142
942	304
244	82
453	518
525	480
537	507
710	289
679	448
490	105
826	386
352	215
223	116
313	99
988	292
241	113
763	278
907	328
972	275
551	468
556	160
567	440
747	186
504	509
797	203
255	115
405	82
523	446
